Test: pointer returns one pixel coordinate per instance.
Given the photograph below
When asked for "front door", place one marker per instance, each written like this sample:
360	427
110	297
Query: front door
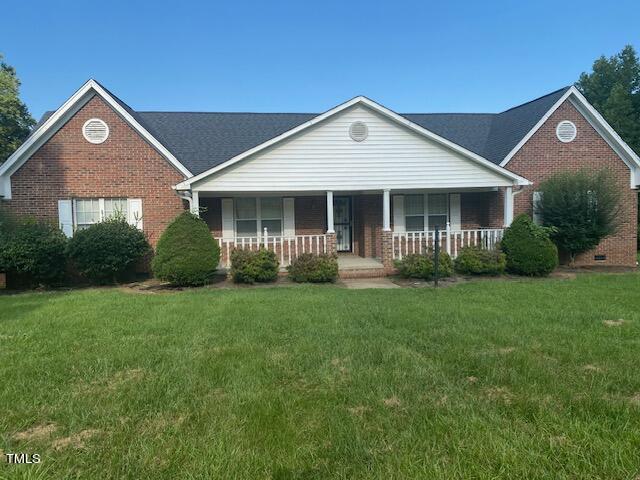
342	223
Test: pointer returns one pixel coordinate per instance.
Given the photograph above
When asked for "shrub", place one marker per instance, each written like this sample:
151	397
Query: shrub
32	252
314	268
107	251
582	207
418	265
528	248
186	253
249	266
479	261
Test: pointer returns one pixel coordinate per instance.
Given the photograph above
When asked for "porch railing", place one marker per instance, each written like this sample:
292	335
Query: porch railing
286	248
451	241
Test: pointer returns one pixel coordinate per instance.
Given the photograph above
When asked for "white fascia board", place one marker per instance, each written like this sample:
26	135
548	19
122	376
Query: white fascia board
73	104
599	124
517	179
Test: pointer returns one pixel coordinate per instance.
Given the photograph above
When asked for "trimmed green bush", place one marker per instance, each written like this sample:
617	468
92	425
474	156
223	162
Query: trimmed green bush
108	251
309	267
31	252
186	253
249	266
418	265
528	248
479	261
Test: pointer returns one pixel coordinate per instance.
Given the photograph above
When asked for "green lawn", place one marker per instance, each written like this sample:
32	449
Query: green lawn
490	379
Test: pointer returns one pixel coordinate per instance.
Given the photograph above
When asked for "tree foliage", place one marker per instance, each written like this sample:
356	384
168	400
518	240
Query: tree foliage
529	249
582	207
15	120
613	88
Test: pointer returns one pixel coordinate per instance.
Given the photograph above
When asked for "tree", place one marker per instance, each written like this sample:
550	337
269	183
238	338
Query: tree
15	120
581	207
613	88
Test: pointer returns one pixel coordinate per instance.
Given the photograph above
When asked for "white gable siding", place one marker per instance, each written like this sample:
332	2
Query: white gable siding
324	157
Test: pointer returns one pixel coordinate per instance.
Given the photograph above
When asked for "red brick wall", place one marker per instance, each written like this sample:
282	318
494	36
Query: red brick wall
544	155
124	165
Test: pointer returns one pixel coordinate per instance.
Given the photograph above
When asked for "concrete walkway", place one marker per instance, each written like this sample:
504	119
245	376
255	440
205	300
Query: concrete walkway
361	283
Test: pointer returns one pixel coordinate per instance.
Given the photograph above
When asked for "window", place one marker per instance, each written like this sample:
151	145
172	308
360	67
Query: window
253	215
88	211
425	212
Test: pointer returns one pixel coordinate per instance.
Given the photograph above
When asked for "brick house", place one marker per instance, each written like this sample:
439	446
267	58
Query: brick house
359	179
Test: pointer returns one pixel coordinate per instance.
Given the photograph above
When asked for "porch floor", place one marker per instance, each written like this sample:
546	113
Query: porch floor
349	261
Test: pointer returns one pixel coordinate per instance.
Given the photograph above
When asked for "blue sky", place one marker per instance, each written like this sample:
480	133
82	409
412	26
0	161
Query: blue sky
299	56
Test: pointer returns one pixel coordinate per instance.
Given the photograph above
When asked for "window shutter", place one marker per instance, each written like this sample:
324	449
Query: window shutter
537	218
65	217
289	213
455	214
398	213
227	218
134	209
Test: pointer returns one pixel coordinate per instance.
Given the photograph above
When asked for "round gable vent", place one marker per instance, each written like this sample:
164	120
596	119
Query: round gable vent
566	131
358	131
95	130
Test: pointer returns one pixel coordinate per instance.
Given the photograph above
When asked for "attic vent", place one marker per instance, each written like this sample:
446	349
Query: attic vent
566	131
95	130
358	131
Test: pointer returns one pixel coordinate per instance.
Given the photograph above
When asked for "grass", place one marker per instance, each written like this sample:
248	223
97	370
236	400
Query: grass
496	379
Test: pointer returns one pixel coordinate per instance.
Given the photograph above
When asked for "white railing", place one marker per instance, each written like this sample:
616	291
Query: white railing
451	241
286	248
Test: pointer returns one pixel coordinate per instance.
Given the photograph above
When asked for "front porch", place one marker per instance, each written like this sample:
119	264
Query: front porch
368	230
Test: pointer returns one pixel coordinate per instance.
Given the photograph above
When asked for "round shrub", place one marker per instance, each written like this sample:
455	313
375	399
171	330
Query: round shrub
107	251
529	249
186	253
32	253
249	266
417	265
309	267
479	261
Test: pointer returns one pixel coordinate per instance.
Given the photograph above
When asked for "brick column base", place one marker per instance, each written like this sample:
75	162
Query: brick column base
332	247
3	281
387	253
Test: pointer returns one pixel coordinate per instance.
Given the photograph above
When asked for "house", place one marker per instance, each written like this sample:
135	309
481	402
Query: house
358	179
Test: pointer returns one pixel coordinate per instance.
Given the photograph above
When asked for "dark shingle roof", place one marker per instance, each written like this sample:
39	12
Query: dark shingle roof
202	140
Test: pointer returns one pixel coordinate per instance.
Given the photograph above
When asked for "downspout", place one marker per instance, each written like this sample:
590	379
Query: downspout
186	195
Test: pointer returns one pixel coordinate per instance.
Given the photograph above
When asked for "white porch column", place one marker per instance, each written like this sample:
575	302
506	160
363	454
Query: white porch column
330	228
508	206
386	211
195	203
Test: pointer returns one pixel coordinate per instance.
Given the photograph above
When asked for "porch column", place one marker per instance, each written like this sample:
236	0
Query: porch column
195	203
386	211
330	228
508	206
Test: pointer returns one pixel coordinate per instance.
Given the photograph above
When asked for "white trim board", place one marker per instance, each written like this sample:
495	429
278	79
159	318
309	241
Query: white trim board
60	117
599	124
517	179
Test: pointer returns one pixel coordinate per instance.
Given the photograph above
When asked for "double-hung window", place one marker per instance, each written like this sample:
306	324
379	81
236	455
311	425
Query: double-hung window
95	210
253	215
426	212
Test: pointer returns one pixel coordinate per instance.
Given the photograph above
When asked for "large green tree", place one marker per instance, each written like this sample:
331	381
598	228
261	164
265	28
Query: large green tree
15	120
613	88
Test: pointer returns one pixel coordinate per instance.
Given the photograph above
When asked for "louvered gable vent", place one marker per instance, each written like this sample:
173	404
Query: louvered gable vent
566	131
95	131
358	131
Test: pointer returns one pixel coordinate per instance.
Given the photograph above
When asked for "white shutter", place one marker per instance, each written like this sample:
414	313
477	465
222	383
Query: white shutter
134	209
455	214
398	213
537	218
289	213
227	218
65	217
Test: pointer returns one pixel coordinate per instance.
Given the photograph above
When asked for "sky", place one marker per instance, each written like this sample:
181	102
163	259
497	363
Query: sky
301	56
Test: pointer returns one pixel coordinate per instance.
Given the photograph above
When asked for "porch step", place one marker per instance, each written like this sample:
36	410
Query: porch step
361	273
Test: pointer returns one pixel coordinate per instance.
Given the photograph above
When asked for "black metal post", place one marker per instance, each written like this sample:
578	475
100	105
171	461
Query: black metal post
436	258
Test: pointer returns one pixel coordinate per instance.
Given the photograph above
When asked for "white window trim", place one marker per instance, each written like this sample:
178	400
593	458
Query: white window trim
259	218
101	209
426	213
